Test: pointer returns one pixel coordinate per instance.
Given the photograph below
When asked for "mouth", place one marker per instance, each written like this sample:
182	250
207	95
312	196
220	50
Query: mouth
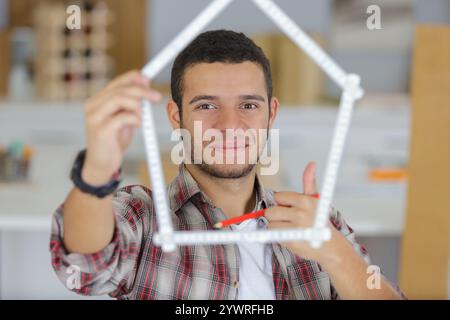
230	147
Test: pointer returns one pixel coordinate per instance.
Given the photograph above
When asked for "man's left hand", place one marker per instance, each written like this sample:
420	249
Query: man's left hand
297	210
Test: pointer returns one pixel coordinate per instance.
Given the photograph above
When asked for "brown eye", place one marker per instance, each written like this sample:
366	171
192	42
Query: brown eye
250	106
206	106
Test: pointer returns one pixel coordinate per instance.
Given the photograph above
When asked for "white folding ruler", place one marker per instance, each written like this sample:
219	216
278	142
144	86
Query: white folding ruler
167	237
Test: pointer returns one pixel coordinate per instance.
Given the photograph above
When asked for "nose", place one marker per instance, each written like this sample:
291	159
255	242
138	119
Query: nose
228	119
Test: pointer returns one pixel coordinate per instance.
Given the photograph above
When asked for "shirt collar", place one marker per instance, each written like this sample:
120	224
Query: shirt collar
184	187
265	197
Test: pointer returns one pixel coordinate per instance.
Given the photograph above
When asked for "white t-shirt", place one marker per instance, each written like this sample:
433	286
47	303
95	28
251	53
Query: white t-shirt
255	265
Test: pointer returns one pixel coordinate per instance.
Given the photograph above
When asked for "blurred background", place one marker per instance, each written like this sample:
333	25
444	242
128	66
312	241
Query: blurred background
394	180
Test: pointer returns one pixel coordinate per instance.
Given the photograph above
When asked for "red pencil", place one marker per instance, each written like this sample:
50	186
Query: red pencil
246	216
252	215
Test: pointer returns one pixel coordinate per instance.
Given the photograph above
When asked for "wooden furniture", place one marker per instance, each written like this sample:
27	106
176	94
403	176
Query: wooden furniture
297	80
4	61
72	64
425	247
129	29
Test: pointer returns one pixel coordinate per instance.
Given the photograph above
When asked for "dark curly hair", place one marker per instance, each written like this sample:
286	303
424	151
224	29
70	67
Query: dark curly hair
217	46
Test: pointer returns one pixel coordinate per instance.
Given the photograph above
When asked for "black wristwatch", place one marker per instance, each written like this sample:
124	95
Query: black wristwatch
98	191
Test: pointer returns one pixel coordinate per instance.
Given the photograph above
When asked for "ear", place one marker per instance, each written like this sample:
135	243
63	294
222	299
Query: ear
274	103
173	113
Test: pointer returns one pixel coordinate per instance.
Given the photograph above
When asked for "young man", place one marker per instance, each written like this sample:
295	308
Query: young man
102	238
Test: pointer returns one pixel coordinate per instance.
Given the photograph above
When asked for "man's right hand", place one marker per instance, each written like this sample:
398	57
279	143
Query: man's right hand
111	117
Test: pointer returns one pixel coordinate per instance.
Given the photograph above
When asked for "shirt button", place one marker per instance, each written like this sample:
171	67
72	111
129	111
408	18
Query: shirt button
236	284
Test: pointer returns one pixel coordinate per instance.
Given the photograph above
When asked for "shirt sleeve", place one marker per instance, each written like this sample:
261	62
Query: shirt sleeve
111	270
339	223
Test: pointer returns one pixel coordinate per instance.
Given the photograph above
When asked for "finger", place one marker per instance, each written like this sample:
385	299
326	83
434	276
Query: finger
130	90
293	199
280	225
142	93
121	120
114	105
309	179
133	76
278	213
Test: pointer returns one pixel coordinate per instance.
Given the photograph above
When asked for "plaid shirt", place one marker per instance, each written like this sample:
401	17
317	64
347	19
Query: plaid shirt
132	267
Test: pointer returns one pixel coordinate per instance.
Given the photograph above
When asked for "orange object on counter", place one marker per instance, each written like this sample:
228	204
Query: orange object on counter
388	174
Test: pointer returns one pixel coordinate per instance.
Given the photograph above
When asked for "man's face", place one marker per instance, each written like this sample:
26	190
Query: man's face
231	102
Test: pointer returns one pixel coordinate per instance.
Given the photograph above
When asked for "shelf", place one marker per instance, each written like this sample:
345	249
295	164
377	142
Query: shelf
377	134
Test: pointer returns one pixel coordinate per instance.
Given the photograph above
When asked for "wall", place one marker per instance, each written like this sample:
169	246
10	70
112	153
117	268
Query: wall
168	17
